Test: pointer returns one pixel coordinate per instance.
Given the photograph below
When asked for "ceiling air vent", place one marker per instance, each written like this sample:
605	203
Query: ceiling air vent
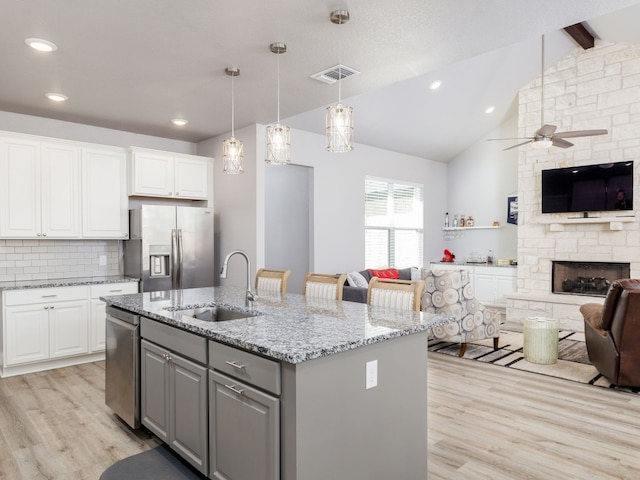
333	74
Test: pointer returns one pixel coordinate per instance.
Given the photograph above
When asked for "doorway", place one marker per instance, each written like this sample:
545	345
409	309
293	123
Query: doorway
289	221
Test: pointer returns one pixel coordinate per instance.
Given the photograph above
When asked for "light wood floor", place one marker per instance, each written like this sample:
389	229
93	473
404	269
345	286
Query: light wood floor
55	425
491	422
485	422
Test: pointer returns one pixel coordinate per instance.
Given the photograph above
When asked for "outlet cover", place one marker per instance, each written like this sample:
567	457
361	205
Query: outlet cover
371	375
103	260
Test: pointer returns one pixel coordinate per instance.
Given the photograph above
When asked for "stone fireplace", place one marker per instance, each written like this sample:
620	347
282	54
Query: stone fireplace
585	278
586	92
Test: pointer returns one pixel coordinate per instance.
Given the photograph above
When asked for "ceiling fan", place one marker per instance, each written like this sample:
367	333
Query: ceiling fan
546	135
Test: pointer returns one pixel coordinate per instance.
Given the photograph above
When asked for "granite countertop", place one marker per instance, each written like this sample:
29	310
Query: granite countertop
291	328
65	282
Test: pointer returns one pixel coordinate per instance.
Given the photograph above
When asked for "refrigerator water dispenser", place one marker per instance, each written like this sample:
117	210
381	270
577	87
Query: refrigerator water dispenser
159	265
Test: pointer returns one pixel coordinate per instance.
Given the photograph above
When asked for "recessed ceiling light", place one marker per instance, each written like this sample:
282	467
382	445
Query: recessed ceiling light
56	97
490	109
179	122
435	85
41	45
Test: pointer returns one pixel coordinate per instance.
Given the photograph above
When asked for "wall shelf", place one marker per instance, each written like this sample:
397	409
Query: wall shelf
455	229
449	233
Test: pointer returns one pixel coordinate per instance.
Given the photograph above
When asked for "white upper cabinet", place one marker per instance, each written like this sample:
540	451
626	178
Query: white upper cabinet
104	193
164	174
40	189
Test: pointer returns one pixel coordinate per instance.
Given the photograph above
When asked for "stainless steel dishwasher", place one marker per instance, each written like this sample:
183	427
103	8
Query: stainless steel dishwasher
122	371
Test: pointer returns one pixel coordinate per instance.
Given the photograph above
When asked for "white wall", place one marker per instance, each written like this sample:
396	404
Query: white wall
238	204
479	180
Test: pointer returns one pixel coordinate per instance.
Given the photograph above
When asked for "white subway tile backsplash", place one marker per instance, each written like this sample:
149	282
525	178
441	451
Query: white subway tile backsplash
45	259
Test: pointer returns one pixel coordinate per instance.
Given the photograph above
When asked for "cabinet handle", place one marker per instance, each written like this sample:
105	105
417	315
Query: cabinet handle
167	357
44	234
118	290
234	389
39	234
233	364
170	193
49	296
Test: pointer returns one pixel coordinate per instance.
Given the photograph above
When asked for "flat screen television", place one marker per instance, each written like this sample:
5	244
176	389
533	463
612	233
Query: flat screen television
588	188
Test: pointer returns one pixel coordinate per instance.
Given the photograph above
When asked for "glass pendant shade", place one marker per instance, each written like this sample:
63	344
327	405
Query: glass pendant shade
339	131
232	149
278	144
232	156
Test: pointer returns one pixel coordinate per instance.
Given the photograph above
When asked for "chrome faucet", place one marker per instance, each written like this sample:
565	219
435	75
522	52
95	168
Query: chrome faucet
250	296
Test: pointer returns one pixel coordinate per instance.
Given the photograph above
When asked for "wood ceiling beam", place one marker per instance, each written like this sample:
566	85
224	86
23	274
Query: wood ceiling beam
581	35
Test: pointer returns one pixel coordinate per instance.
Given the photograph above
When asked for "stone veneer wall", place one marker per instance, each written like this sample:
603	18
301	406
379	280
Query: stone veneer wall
45	259
589	89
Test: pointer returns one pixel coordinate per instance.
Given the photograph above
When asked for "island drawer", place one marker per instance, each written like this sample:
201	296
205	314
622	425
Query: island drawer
253	369
178	341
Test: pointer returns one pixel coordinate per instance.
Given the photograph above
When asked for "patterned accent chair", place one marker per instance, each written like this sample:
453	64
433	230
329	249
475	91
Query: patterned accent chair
449	292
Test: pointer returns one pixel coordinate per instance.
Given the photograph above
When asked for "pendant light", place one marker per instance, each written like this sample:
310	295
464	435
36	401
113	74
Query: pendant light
232	149
339	117
278	135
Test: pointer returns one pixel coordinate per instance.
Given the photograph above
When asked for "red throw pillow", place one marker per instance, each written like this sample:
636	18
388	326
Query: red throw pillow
386	273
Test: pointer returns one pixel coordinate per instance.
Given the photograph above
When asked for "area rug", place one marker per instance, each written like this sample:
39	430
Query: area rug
157	464
573	362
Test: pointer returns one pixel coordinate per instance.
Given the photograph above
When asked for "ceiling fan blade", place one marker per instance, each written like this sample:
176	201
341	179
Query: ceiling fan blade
546	130
517	145
559	142
512	138
580	133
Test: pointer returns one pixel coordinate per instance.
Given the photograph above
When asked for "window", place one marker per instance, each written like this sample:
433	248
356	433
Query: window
393	222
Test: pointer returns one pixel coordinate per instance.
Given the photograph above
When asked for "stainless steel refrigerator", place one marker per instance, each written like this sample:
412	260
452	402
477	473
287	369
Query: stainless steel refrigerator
170	247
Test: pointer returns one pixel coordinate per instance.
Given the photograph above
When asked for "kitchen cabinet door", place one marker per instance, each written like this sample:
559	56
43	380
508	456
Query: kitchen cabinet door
68	325
152	174
188	403
154	389
20	192
60	190
191	177
26	334
244	431
105	205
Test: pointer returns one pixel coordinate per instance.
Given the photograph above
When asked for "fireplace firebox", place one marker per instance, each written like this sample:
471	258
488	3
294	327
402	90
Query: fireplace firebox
586	278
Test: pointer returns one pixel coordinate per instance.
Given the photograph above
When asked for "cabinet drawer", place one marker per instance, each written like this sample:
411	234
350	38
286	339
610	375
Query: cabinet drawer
256	370
178	341
45	295
106	289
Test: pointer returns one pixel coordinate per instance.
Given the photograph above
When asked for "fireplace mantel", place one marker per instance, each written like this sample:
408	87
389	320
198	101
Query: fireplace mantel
558	224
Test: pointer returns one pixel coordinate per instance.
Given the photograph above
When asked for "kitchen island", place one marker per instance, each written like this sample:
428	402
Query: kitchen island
302	389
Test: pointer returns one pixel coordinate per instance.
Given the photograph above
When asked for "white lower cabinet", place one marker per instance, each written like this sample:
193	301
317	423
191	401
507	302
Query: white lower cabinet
45	328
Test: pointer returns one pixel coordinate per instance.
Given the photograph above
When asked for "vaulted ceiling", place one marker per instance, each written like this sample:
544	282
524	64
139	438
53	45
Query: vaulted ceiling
135	65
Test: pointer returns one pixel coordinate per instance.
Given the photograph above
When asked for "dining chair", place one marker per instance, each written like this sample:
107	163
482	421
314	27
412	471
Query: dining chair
395	293
268	280
323	285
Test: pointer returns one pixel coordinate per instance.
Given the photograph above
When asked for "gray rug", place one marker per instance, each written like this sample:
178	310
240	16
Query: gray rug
157	464
573	362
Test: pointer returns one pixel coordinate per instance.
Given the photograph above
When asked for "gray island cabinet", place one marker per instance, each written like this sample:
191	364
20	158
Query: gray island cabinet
299	390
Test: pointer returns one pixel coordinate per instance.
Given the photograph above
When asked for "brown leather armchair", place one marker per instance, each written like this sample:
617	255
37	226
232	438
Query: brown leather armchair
612	333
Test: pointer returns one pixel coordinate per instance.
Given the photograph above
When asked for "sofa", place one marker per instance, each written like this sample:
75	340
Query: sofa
355	290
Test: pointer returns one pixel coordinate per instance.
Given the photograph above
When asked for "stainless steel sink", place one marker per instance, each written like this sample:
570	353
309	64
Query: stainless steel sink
217	314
